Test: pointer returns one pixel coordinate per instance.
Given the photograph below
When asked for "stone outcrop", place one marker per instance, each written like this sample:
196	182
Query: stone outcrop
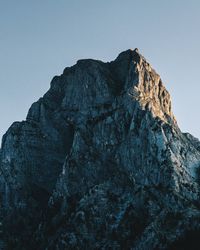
100	163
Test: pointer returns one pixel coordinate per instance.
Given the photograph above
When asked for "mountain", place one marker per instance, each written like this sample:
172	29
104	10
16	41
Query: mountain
100	163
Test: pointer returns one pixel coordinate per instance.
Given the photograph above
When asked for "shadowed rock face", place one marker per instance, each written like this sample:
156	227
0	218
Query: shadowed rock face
100	163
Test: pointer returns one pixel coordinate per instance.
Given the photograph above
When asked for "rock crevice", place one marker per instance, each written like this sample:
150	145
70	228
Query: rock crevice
100	163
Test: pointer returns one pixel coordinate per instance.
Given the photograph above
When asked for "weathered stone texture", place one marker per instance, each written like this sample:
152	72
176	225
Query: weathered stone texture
100	163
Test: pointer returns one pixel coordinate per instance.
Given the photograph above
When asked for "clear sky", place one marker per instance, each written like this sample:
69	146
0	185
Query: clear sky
39	38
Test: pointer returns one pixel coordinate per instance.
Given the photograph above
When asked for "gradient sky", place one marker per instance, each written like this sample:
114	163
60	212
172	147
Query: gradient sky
39	38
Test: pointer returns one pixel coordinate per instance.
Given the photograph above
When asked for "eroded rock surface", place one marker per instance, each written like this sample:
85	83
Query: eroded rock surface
100	163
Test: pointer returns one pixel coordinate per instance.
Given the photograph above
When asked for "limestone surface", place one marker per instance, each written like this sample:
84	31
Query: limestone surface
100	163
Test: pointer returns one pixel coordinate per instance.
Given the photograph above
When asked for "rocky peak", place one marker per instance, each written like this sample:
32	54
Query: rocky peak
100	163
144	85
129	73
129	55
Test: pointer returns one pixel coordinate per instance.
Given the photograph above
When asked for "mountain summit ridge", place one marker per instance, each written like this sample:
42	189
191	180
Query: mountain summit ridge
100	163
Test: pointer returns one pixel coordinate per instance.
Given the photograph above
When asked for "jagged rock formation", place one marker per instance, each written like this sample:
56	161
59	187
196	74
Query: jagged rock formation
100	163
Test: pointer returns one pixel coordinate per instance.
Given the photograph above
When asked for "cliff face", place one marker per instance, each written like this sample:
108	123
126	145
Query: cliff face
100	163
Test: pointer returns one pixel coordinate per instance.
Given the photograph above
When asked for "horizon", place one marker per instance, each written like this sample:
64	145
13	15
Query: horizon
39	40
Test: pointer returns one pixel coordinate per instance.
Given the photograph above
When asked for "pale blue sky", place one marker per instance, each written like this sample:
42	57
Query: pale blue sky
39	38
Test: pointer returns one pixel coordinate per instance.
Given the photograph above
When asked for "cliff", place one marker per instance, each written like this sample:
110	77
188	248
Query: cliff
100	163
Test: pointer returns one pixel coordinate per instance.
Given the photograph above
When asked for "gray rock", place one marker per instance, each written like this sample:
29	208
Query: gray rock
100	163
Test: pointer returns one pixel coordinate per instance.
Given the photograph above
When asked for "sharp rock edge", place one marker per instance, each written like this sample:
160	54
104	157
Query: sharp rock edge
100	163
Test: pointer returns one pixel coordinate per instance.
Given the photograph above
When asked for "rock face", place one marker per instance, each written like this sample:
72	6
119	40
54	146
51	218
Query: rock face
100	163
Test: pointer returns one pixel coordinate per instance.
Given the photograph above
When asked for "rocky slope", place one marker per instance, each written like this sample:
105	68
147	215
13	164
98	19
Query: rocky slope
100	163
